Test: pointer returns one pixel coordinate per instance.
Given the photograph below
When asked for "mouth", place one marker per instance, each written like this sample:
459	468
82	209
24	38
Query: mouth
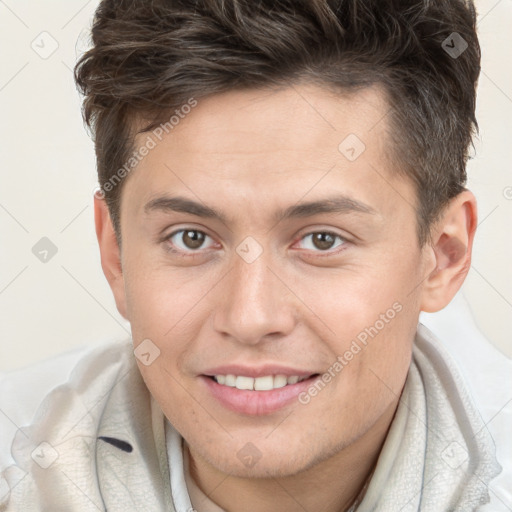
256	396
264	383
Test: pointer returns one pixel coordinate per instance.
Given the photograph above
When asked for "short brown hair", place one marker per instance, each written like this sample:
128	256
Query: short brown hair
149	57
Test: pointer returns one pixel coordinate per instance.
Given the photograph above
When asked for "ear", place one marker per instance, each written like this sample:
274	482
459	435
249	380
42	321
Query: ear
110	253
452	243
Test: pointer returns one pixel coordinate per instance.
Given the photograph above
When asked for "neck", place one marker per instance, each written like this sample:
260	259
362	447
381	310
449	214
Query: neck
337	482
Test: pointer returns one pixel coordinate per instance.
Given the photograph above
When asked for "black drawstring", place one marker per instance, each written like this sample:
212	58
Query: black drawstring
118	443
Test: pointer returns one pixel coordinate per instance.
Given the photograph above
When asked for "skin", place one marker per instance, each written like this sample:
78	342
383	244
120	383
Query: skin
249	154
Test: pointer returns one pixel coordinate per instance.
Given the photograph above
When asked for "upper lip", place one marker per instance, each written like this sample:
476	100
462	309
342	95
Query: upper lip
257	371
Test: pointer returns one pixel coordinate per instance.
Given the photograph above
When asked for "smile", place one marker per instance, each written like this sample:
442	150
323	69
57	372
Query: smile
256	396
265	383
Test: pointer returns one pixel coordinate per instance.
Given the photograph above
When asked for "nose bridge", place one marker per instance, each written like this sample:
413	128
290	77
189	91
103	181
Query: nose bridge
255	302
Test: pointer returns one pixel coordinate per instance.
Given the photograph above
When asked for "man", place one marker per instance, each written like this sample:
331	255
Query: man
282	194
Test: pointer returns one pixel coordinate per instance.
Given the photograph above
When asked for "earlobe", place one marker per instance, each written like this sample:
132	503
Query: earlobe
110	253
452	243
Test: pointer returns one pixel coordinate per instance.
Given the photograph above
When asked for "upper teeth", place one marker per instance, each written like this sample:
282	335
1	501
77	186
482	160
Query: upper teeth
265	383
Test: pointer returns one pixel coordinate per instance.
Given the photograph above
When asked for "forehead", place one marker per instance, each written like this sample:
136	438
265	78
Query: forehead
297	118
281	145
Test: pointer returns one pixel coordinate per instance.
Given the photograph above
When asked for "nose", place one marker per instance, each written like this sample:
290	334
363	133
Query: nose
256	303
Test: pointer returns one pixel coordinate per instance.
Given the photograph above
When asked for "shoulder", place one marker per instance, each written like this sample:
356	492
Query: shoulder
23	391
486	374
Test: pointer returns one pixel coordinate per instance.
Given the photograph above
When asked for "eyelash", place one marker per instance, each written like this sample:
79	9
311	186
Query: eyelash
194	254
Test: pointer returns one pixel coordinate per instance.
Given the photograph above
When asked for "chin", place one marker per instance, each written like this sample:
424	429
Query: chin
260	460
275	468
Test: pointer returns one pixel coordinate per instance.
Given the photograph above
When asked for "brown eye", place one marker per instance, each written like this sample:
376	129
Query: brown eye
187	240
193	239
322	241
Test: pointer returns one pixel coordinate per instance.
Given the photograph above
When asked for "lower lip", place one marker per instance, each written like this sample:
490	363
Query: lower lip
256	403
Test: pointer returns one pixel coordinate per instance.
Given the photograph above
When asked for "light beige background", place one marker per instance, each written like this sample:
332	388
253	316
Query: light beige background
48	178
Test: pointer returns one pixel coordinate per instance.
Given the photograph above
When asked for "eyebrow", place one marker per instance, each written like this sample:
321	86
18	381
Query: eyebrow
335	205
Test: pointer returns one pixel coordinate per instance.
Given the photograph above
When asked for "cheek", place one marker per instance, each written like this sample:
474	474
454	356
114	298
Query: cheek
168	309
374	315
159	297
374	295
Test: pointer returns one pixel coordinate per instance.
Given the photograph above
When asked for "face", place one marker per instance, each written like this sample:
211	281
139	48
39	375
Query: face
290	255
